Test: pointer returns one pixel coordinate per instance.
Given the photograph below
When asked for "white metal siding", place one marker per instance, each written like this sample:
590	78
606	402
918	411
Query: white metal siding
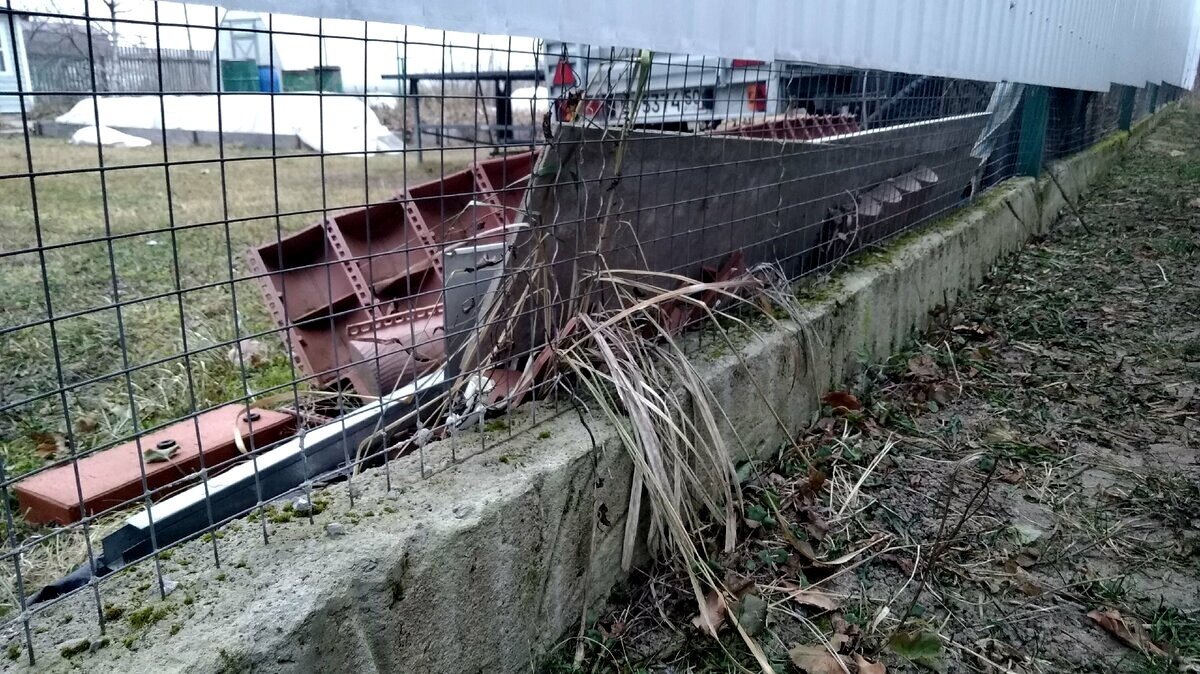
1078	44
14	59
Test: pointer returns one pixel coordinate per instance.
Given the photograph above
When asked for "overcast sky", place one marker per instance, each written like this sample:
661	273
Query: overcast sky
426	50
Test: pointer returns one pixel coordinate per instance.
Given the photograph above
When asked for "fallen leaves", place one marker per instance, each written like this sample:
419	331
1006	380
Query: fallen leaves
867	667
47	445
712	615
815	598
817	660
923	368
1129	632
825	660
973	331
923	647
842	401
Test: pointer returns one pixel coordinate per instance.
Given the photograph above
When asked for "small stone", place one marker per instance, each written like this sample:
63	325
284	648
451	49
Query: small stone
251	352
169	586
1177	153
73	647
97	645
463	509
301	505
334	529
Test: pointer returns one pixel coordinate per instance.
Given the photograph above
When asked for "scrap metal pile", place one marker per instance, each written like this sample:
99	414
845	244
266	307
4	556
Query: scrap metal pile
360	295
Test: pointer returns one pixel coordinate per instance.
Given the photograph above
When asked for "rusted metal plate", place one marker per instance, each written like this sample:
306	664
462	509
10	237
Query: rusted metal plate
393	350
360	295
113	477
799	127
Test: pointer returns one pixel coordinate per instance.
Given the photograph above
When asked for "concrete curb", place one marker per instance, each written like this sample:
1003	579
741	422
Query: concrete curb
485	566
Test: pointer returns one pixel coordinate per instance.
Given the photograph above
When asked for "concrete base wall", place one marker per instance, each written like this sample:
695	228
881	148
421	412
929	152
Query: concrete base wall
485	566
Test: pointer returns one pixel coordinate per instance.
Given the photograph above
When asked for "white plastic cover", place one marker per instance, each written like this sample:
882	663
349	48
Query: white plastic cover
90	135
331	124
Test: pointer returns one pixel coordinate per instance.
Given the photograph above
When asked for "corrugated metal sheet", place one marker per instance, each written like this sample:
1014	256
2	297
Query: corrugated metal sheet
1078	44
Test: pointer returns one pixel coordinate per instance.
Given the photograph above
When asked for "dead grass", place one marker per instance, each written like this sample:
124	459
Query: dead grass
989	500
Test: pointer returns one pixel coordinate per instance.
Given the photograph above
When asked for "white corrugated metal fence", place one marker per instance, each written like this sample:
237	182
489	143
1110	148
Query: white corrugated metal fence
1077	44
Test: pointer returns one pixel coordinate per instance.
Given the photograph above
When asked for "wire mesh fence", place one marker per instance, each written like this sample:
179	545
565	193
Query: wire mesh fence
347	243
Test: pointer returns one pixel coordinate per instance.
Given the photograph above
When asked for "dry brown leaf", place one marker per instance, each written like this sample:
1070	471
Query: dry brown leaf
817	527
715	610
1129	632
924	367
617	629
821	600
817	660
973	331
844	634
816	480
48	444
842	400
867	667
1029	588
803	547
839	641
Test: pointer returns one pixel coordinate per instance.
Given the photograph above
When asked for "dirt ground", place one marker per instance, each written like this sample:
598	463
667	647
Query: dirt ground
1019	492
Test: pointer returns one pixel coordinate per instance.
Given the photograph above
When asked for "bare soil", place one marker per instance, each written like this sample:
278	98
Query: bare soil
1018	492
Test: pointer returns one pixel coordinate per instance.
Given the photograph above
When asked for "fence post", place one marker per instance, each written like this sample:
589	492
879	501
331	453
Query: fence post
1034	117
414	92
1128	96
1153	97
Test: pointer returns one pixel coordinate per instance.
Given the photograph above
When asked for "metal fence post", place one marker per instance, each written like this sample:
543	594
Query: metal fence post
414	92
1153	97
1034	117
1128	97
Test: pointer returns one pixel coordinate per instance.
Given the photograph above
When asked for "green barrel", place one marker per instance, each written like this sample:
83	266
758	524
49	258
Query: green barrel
239	75
328	78
299	80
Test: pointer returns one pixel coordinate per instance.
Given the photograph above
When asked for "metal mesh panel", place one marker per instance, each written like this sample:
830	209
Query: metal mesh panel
298	249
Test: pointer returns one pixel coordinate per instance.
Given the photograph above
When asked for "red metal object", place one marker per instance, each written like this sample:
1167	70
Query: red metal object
390	252
303	278
803	127
361	293
113	477
395	349
504	180
564	75
756	96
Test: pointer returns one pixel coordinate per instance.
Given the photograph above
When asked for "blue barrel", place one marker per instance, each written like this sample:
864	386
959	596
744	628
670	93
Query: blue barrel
268	79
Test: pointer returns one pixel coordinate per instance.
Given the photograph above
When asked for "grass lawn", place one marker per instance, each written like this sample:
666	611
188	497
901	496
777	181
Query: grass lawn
150	259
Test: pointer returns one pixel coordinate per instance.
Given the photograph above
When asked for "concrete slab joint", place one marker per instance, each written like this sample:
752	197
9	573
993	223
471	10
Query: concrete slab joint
485	566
